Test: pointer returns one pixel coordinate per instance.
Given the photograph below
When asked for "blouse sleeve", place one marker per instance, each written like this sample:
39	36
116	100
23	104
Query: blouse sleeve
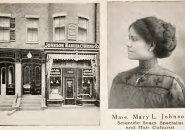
113	93
178	93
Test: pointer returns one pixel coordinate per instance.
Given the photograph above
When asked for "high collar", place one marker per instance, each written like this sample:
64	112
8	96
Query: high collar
147	65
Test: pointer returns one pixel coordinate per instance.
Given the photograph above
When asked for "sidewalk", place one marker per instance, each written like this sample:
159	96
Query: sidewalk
65	116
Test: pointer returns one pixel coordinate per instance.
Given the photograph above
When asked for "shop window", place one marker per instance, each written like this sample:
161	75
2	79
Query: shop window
4	29
3	75
37	75
55	82
82	29
32	30
59	28
11	73
26	75
87	88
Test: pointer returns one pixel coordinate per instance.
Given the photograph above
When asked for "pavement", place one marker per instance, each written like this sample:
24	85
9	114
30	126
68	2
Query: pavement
53	116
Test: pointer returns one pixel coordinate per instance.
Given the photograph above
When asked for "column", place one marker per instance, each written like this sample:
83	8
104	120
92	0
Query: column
43	75
18	77
98	76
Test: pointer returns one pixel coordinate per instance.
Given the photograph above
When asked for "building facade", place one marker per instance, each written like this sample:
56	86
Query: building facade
50	50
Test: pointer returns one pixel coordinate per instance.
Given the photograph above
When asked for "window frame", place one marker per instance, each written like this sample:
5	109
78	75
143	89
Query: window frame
82	28
6	28
28	19
54	28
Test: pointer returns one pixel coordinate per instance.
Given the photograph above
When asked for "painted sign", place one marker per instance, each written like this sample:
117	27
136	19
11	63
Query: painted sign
56	71
71	45
87	72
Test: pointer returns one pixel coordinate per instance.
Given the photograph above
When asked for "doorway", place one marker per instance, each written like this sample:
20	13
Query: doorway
7	76
69	90
31	78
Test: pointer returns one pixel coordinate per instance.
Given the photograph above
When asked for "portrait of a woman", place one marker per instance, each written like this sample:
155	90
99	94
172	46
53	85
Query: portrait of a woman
148	85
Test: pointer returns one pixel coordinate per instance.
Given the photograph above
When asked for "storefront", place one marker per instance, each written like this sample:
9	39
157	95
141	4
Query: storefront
72	73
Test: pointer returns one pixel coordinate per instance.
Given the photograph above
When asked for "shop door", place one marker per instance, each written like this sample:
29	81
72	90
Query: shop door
69	90
32	79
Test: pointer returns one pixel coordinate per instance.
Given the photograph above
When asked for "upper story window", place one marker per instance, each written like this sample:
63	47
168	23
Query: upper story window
7	28
32	30
82	29
4	29
59	28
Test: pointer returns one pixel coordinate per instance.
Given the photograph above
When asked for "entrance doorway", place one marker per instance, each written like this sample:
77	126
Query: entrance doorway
7	82
69	90
31	78
3	81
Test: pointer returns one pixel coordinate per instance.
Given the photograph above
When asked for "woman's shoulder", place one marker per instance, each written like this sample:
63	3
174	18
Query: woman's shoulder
167	73
121	76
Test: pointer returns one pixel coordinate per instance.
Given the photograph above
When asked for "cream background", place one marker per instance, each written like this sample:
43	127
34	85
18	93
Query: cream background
122	14
106	123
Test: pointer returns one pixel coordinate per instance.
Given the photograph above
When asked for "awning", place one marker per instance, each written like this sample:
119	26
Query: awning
76	57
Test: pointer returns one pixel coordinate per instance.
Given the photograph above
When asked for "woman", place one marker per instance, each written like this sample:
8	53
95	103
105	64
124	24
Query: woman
148	85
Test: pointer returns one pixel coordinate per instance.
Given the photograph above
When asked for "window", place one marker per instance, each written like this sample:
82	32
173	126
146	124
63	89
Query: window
37	75
26	75
3	75
32	30
4	29
59	28
82	29
11	75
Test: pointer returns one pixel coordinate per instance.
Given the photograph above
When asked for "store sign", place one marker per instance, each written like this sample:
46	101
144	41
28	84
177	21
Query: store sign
71	32
70	72
56	71
87	72
71	45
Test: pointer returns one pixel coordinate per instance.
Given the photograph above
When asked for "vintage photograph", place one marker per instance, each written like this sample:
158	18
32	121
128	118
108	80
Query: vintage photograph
146	55
49	64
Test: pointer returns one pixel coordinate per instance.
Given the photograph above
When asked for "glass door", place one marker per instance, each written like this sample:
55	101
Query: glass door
70	90
26	79
31	79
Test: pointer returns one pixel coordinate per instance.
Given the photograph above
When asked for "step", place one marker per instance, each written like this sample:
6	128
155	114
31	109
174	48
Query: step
34	100
5	108
30	102
5	105
32	97
30	108
6	101
30	105
5	96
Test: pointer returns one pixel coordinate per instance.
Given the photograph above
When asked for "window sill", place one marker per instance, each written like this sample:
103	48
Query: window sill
32	42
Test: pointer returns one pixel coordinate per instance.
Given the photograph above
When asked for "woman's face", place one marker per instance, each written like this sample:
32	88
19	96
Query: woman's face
138	49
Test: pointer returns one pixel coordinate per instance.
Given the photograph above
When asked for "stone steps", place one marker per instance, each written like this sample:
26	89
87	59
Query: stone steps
6	102
31	103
